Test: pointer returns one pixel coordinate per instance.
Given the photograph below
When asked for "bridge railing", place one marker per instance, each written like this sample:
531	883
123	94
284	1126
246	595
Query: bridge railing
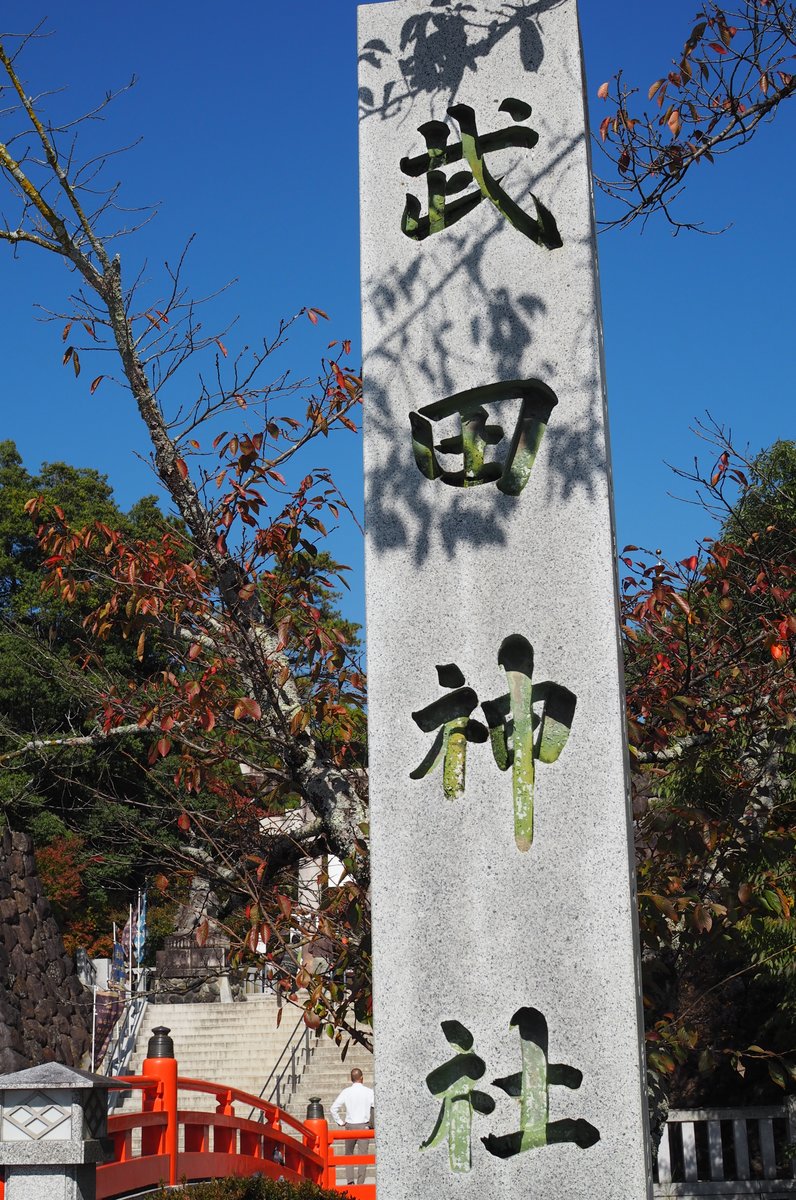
339	1159
164	1143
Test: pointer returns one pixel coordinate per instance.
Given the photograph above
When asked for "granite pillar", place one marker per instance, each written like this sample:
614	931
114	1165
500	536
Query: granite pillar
509	1053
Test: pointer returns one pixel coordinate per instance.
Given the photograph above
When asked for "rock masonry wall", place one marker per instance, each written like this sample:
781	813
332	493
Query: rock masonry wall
45	1012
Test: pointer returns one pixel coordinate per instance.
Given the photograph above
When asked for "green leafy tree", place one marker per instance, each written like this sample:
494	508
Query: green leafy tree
73	793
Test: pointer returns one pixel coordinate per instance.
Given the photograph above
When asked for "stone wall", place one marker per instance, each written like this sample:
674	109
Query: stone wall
45	1012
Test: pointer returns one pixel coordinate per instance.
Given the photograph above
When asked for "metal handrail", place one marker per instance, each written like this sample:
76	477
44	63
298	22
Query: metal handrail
121	1049
291	1046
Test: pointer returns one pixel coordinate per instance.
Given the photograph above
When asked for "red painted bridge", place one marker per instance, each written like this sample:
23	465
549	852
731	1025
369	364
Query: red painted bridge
180	1144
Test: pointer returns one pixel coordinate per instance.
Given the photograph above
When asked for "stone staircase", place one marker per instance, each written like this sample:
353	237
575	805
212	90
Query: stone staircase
234	1044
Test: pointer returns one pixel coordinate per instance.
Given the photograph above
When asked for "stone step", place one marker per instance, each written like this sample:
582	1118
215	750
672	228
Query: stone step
247	1042
232	1053
235	1027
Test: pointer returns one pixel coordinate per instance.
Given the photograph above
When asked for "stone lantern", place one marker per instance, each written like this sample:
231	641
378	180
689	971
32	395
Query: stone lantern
53	1125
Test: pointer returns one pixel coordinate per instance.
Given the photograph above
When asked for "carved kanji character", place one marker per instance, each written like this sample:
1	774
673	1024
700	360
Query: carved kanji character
531	1086
509	474
454	1084
473	148
519	736
451	716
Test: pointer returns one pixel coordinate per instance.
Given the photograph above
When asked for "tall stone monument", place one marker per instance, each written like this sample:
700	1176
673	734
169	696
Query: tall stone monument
507	1011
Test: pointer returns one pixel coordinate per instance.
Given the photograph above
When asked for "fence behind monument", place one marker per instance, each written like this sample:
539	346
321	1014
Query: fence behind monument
729	1152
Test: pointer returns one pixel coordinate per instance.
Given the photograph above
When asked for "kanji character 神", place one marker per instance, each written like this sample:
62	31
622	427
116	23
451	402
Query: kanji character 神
518	735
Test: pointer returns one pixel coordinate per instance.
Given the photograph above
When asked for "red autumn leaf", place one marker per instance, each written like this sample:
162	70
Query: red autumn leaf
95	384
246	706
182	468
691	563
184	822
665	906
221	346
202	932
283	631
603	90
164	745
674	122
717	46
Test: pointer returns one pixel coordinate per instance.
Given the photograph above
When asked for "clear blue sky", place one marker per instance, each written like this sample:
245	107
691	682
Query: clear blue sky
248	118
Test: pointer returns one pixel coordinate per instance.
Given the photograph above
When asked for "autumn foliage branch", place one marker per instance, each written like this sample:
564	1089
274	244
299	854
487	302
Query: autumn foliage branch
735	69
247	694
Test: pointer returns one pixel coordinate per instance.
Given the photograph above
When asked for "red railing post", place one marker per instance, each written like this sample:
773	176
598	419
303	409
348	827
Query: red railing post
224	1137
161	1064
316	1121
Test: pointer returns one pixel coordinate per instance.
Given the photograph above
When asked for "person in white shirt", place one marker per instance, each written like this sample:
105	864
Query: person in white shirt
357	1101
